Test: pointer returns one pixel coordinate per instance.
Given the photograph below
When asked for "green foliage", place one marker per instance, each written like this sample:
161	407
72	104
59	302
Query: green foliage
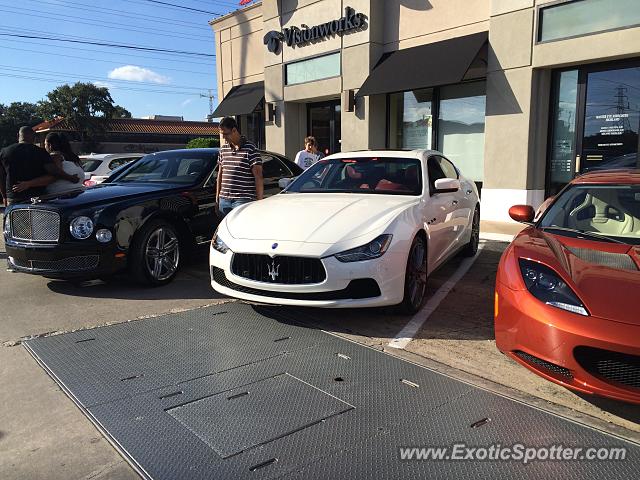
204	142
83	105
14	116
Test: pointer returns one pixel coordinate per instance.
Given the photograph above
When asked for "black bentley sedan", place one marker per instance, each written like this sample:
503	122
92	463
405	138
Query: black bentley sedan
144	218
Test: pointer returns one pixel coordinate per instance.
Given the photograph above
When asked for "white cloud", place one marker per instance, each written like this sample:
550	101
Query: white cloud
137	74
186	102
103	84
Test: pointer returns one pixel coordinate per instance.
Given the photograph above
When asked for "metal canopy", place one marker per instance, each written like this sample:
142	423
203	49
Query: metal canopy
241	100
235	391
431	65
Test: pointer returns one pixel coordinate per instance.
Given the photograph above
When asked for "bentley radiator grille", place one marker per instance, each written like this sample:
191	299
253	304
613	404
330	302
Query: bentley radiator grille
35	225
283	270
620	368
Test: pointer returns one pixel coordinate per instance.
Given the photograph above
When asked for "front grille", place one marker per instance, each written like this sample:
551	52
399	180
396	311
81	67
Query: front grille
357	289
616	367
35	225
538	362
70	264
282	270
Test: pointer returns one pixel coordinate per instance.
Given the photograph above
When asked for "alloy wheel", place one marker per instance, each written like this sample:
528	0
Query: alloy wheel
162	253
417	273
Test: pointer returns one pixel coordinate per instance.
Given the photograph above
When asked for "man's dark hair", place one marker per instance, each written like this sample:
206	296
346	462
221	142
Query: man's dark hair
229	123
26	133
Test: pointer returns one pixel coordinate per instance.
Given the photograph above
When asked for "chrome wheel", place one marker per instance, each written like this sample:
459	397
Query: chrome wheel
162	253
417	273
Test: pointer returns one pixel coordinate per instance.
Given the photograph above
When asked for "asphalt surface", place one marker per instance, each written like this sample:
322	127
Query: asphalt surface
44	435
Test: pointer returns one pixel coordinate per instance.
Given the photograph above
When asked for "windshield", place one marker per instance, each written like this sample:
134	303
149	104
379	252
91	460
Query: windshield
180	167
612	211
372	175
90	165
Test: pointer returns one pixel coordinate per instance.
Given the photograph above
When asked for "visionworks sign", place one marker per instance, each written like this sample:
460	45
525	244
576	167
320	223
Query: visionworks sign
295	36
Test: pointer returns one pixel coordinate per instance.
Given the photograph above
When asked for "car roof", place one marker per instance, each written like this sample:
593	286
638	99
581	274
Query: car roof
109	156
614	176
384	153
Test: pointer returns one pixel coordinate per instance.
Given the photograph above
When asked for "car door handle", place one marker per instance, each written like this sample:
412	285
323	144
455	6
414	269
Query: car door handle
455	202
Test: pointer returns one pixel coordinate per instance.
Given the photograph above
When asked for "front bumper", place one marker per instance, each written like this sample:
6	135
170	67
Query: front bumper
372	283
552	343
64	260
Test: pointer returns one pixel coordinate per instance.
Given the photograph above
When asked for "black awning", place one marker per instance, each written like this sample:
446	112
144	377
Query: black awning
241	100
431	65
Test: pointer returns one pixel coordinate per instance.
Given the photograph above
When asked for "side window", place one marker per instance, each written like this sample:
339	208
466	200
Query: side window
272	167
448	168
435	172
118	162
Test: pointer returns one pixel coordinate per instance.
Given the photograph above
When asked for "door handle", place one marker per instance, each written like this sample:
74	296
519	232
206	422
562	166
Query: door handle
455	202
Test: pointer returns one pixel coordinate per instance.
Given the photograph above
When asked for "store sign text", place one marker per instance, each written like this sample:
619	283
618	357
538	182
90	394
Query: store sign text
295	37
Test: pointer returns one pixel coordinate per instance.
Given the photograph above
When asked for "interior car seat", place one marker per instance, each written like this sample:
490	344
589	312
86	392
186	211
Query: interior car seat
601	211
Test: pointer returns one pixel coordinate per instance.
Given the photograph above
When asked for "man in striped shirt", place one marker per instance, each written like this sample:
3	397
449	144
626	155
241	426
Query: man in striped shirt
239	169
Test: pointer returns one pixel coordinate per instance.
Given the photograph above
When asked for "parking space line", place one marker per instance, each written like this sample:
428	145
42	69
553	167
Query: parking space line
403	338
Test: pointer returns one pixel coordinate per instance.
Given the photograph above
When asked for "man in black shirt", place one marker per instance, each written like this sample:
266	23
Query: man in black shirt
24	161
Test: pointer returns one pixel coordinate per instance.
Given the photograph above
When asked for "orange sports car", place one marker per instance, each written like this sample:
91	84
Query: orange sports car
567	298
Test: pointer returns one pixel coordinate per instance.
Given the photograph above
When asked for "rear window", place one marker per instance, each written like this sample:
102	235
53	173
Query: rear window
91	165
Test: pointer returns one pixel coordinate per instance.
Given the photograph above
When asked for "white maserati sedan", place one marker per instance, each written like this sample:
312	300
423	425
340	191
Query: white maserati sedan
357	229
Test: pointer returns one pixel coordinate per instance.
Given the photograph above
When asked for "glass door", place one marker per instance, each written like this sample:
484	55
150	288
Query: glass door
324	125
595	121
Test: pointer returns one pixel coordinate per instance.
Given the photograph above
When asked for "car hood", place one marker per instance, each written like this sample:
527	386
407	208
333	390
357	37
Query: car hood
606	276
315	218
105	192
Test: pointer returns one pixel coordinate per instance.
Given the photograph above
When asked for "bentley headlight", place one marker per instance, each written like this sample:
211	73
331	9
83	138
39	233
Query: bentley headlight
81	228
373	249
547	286
218	244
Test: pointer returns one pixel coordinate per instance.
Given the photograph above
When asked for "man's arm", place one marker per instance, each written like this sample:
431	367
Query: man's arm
41	181
218	183
3	182
257	173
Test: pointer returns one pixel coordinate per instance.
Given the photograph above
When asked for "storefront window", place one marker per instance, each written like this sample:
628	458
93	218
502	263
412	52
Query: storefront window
410	119
461	127
563	134
313	69
586	16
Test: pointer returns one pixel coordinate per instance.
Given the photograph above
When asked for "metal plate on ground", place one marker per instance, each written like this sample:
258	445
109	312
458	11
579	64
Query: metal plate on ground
234	391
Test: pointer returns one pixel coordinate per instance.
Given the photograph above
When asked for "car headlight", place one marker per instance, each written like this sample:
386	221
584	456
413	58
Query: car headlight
104	235
218	244
547	286
81	228
373	249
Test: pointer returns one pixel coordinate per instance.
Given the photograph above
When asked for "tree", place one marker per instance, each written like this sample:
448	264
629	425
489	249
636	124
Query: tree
84	106
204	142
14	116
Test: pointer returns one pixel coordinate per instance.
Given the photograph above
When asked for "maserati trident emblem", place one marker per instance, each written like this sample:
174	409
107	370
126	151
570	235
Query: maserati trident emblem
272	270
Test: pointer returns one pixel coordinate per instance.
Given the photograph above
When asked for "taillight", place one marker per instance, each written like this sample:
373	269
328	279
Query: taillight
89	183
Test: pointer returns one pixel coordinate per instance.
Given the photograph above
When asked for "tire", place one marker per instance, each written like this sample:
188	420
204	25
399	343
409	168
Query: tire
415	277
155	253
471	248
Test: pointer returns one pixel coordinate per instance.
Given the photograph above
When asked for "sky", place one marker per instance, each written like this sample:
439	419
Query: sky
145	82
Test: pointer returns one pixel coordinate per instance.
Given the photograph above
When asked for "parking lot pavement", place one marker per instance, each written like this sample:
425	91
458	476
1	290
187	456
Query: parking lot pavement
42	431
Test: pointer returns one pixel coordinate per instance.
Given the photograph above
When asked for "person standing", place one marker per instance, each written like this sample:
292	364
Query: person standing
25	169
239	169
58	147
310	155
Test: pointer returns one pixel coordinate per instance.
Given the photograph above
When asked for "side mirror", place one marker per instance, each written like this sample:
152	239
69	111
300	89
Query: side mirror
522	213
285	182
447	185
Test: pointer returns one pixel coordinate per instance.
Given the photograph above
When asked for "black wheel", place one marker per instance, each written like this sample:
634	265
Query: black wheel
415	278
155	253
471	248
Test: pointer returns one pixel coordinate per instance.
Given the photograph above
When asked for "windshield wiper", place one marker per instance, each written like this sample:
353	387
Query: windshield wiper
583	233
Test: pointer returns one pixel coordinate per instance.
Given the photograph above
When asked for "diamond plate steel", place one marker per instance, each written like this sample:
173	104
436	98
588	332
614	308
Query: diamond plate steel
168	392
